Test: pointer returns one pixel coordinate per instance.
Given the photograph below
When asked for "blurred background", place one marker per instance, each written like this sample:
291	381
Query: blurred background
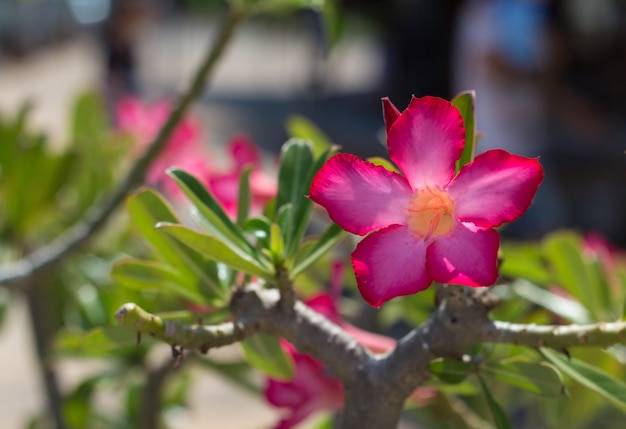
548	76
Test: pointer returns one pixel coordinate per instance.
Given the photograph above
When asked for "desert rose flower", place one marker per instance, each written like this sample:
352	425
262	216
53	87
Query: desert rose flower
427	222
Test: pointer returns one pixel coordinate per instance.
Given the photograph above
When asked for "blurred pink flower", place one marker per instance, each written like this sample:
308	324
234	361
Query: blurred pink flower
310	390
225	185
428	223
143	121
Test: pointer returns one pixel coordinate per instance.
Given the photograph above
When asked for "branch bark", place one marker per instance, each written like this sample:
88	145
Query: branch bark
376	386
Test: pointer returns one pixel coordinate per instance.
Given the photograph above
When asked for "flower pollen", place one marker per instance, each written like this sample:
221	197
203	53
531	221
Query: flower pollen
430	213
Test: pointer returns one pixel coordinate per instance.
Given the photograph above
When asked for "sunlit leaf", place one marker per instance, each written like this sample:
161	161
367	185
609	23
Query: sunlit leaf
146	208
217	221
383	162
563	251
213	248
150	275
465	102
243	201
559	305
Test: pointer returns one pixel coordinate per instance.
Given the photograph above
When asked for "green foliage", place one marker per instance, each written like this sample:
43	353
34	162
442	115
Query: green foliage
264	352
595	379
466	102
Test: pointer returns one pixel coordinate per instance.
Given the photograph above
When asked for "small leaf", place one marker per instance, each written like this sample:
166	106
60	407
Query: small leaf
332	236
563	251
499	417
293	181
146	208
450	371
538	378
243	201
217	221
277	244
595	379
214	249
97	341
376	160
150	275
264	352
559	305
465	102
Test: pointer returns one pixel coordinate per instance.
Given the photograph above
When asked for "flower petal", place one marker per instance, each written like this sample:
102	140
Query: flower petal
359	195
496	187
426	140
390	113
390	263
466	256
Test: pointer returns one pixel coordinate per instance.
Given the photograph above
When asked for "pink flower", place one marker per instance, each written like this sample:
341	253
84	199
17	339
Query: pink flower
225	185
427	223
143	121
311	389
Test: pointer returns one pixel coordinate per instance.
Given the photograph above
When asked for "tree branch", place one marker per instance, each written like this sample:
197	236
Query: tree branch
259	310
192	337
95	219
555	336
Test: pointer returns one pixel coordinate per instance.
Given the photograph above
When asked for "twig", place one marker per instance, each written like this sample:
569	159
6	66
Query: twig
95	219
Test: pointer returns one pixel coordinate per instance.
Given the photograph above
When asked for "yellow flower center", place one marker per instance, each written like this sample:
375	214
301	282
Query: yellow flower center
430	213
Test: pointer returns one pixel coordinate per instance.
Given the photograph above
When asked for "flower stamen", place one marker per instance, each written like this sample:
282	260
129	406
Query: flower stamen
430	213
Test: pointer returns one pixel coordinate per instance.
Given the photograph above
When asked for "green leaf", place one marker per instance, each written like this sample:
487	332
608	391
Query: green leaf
450	371
595	379
563	251
499	417
294	182
303	128
277	244
465	102
260	228
97	341
524	260
331	237
147	208
538	378
150	275
243	201
559	305
217	221
216	250
377	160
264	352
